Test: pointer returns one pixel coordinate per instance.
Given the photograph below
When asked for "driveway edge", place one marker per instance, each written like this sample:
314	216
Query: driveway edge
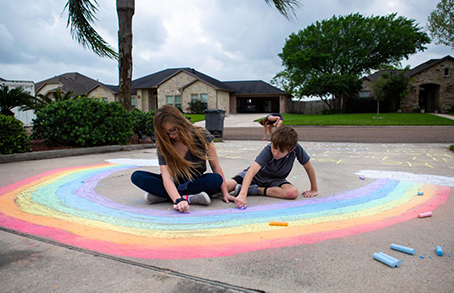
71	152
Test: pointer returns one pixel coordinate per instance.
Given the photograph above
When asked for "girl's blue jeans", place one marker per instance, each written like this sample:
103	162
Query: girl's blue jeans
152	183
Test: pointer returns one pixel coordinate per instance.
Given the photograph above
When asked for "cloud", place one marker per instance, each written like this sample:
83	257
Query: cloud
228	40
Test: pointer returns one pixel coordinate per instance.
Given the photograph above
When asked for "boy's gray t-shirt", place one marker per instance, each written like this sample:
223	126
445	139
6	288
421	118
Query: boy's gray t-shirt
278	169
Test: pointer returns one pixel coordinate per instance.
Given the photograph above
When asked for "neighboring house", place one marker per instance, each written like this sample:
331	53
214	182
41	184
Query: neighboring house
431	86
79	84
29	87
178	87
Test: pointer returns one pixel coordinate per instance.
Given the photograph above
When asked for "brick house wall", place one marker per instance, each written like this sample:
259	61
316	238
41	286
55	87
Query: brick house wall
432	89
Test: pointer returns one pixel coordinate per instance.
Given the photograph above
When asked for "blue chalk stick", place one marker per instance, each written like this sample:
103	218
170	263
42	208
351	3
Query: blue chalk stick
243	207
439	251
421	256
420	193
395	260
403	249
386	259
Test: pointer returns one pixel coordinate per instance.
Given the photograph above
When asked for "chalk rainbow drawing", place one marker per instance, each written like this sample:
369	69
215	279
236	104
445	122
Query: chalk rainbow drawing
62	205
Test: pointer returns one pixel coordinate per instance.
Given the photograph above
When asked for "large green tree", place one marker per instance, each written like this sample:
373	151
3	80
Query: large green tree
441	23
81	13
346	47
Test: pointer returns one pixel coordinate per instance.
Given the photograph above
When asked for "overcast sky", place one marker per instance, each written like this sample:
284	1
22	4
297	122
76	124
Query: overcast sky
225	39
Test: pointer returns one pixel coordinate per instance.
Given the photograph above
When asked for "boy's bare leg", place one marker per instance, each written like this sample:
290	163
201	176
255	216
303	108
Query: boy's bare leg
286	191
231	184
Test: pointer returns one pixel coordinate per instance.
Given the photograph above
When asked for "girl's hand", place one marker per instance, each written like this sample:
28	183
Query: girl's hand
309	193
182	207
227	198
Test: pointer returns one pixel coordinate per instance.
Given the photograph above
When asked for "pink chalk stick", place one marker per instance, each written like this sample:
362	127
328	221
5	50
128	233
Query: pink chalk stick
424	215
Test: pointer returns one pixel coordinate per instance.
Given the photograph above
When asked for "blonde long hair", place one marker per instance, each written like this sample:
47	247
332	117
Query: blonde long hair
190	135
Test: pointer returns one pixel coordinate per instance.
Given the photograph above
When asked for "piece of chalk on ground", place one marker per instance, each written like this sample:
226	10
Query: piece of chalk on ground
395	260
425	215
362	177
439	251
277	223
421	256
386	259
403	249
420	193
243	207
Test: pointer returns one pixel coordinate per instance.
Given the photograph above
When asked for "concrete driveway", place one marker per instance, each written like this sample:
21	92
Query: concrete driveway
77	224
238	120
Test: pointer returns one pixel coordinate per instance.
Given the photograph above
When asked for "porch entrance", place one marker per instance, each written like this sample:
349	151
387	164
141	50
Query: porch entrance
258	105
428	96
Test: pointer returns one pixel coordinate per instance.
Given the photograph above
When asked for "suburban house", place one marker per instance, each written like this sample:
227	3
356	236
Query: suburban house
29	87
431	86
178	86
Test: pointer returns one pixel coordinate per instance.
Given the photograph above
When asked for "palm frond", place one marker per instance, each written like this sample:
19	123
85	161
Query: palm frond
80	14
285	7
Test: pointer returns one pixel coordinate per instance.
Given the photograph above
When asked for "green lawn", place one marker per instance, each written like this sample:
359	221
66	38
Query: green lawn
196	117
366	119
354	119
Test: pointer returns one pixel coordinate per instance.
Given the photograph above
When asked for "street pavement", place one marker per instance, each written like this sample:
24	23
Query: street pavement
77	224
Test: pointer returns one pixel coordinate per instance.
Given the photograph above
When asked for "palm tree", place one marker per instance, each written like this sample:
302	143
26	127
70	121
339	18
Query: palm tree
10	99
82	12
41	101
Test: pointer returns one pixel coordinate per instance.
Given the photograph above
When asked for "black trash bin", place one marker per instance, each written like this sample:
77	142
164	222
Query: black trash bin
214	121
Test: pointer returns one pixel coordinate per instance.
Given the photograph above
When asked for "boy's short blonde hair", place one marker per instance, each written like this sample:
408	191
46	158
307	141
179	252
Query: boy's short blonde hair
284	138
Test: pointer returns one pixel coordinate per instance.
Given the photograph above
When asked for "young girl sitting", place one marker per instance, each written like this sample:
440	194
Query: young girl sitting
183	150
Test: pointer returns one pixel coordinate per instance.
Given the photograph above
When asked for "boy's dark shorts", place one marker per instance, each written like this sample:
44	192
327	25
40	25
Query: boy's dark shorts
269	182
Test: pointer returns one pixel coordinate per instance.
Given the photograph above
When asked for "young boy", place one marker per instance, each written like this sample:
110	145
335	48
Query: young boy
270	169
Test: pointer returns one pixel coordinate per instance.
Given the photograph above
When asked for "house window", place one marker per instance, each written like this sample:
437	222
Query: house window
178	102
174	101
364	94
447	72
133	103
204	99
200	97
105	100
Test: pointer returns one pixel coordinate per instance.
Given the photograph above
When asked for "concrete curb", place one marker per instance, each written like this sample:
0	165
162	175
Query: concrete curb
71	152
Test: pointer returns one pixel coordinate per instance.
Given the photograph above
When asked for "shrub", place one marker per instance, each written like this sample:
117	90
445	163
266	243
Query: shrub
83	122
13	138
142	122
197	107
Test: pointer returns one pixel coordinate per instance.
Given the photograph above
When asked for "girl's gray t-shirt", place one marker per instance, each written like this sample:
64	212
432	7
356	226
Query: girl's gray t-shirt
201	165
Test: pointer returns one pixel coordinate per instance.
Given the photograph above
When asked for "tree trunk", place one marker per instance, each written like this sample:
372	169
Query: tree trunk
125	11
378	108
325	100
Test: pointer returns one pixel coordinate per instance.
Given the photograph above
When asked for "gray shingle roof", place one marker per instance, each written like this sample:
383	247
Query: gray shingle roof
426	65
253	87
411	72
78	83
378	74
153	80
81	84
